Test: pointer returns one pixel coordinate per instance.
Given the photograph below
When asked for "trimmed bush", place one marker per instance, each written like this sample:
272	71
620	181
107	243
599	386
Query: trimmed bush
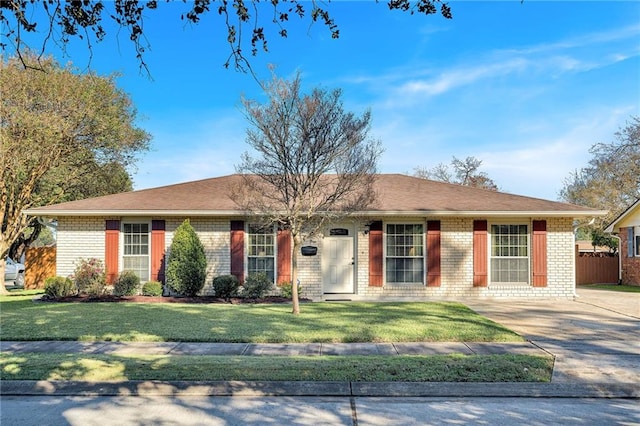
57	287
187	263
89	277
286	290
127	284
226	286
152	288
256	285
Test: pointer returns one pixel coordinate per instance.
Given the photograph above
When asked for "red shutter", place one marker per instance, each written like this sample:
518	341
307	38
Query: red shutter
237	249
539	253
157	250
375	254
480	255
284	256
111	252
433	253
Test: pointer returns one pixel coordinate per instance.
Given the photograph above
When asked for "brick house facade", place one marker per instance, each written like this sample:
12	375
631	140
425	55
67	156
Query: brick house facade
424	240
627	228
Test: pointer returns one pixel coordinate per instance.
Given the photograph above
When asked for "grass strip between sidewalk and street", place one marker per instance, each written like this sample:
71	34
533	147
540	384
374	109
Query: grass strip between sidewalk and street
374	368
322	322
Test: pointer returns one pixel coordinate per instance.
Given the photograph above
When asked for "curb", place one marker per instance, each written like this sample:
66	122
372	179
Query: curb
302	388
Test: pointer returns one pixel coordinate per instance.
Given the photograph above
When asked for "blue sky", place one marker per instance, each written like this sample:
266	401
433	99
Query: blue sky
525	87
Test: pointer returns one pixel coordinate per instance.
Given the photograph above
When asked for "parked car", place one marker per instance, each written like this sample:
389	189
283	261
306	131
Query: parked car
13	273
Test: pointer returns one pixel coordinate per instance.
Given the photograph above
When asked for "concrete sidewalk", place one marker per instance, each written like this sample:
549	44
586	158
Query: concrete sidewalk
258	349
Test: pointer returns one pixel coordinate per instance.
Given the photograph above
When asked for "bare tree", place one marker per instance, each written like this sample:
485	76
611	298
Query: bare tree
246	23
313	162
611	180
463	172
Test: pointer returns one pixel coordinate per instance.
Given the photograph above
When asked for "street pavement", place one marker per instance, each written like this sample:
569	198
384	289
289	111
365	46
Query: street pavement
285	410
595	341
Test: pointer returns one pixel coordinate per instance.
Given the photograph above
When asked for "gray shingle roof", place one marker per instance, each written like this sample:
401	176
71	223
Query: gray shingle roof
397	195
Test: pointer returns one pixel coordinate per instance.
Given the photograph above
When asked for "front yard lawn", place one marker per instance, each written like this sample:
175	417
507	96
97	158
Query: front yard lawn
406	368
23	319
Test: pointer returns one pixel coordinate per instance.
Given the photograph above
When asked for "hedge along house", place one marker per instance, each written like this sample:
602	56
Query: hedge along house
627	228
423	239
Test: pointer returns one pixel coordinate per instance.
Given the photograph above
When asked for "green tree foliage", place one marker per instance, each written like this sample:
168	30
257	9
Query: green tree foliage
599	238
63	136
58	21
611	180
463	172
187	263
313	164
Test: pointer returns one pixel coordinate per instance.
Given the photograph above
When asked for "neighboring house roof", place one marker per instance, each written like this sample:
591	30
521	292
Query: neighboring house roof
398	195
586	246
625	218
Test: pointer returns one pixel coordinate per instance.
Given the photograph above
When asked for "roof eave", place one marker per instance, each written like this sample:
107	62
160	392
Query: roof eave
378	213
89	213
490	213
611	228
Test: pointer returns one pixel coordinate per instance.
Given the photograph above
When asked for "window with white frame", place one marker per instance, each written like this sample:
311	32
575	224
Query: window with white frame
510	253
261	251
404	254
637	237
136	249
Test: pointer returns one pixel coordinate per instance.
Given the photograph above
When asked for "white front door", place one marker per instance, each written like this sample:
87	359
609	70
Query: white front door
338	263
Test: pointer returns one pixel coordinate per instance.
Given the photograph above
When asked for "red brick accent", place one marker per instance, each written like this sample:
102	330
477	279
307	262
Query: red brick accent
375	254
630	265
433	253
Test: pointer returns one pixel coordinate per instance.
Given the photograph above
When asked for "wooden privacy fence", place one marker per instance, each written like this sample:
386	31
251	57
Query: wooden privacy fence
596	270
40	264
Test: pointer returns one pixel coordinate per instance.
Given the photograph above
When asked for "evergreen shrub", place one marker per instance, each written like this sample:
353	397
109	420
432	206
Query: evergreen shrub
256	285
152	288
127	284
226	286
187	264
57	287
286	290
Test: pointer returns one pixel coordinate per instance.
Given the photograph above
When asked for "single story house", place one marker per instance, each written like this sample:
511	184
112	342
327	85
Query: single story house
627	228
423	239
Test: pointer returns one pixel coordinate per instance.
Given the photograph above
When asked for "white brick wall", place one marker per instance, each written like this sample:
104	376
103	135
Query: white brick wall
78	237
83	237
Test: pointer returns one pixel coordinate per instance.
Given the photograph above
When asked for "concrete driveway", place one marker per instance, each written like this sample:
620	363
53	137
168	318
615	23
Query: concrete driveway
595	338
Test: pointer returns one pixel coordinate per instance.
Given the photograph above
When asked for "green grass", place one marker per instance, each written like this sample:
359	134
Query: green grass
409	368
23	319
612	287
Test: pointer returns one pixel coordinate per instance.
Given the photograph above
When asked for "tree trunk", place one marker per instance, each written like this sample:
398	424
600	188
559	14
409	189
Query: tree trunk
3	289
294	276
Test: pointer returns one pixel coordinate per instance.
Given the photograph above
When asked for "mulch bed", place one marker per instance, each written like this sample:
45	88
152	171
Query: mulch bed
171	299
